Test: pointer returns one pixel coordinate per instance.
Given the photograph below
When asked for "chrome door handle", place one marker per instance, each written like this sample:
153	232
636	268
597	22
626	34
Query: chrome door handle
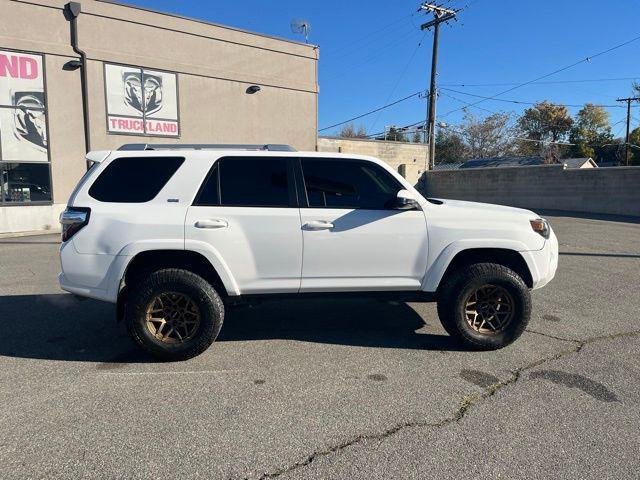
318	225
211	223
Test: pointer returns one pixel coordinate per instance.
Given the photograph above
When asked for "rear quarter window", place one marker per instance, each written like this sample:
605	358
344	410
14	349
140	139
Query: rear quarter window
134	179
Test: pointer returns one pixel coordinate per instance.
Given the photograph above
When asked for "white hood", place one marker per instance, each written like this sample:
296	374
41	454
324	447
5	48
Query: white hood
487	209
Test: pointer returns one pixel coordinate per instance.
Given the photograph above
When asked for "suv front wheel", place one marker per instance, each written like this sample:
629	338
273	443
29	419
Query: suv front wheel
485	305
174	314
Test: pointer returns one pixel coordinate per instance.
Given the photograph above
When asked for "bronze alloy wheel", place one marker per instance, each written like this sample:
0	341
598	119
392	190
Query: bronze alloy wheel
489	309
172	318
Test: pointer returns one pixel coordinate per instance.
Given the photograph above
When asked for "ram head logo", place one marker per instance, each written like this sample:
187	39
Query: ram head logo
142	92
30	122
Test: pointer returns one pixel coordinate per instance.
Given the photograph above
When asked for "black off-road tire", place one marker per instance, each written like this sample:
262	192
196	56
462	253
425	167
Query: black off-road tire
185	282
457	288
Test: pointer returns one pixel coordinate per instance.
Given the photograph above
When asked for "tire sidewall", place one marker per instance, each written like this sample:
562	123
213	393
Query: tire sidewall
512	331
451	305
189	284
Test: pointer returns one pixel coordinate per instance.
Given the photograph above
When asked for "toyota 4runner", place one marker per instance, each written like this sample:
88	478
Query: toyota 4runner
176	234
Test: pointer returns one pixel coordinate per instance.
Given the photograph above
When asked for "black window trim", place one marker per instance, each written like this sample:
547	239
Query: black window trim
196	200
293	199
303	185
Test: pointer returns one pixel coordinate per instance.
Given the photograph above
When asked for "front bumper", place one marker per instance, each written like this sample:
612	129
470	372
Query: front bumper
543	263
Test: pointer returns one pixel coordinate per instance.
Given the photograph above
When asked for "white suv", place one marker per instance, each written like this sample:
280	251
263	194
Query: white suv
175	234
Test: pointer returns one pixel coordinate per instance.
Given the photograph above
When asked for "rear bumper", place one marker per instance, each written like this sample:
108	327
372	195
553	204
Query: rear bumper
93	276
543	263
83	291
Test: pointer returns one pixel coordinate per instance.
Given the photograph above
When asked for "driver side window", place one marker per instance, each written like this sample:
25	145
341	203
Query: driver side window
349	184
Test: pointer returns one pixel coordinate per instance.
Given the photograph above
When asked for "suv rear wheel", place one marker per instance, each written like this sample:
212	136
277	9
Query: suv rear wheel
174	314
484	305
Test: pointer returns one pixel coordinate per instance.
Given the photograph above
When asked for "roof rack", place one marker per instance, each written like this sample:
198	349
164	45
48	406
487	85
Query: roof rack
271	147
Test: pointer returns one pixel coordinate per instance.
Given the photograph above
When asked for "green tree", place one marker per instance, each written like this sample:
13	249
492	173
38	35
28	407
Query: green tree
487	137
634	147
396	135
543	125
417	137
591	133
450	147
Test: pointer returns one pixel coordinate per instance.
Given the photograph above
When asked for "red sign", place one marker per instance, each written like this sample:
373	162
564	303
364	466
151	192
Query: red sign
134	125
17	66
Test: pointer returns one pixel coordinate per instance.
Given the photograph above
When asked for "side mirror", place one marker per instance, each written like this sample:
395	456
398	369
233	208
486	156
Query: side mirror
405	200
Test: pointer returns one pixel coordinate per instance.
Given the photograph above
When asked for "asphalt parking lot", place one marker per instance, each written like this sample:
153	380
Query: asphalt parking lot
350	389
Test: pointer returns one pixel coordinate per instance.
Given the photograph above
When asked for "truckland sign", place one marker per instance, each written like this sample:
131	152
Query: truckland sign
23	126
141	101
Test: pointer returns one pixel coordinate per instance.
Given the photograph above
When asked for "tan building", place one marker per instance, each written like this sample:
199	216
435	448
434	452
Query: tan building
409	159
150	78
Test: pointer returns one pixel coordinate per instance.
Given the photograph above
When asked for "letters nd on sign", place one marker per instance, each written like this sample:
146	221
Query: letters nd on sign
141	101
23	126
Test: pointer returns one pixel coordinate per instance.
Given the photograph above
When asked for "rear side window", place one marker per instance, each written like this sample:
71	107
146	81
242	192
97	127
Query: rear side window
247	182
134	179
348	184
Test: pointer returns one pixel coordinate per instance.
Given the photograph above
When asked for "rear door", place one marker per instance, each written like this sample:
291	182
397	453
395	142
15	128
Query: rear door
246	212
353	238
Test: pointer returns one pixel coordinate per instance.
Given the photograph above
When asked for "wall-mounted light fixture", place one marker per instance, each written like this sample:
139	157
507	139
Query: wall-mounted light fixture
72	65
253	89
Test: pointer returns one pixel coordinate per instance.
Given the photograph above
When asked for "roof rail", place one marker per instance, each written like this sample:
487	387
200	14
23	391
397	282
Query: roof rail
271	147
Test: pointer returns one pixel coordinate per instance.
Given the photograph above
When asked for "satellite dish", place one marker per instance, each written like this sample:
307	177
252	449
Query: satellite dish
299	25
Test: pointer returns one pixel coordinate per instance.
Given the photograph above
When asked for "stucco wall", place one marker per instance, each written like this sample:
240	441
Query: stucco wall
408	158
214	64
598	190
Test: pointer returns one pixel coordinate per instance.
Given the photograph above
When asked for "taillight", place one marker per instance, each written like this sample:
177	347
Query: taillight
72	220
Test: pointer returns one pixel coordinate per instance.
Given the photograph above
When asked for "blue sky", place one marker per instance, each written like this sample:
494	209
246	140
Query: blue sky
369	54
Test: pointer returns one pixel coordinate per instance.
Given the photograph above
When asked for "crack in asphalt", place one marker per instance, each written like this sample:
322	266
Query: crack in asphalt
466	404
528	330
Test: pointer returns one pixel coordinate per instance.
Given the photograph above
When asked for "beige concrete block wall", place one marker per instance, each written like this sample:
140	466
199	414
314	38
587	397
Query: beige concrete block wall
598	190
413	156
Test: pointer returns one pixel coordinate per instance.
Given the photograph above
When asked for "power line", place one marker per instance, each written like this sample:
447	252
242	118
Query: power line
567	67
463	101
373	56
372	111
468	105
519	85
370	34
552	82
404	71
524	102
374	44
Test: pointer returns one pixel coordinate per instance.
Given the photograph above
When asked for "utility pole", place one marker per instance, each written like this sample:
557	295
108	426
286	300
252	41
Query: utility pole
440	15
626	138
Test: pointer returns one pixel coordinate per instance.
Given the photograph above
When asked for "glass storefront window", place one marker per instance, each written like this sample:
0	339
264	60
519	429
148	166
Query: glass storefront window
25	172
25	182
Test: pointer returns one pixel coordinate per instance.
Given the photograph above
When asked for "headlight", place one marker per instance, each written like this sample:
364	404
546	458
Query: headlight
541	226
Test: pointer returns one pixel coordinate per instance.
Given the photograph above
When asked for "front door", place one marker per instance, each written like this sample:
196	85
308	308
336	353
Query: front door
353	239
246	214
